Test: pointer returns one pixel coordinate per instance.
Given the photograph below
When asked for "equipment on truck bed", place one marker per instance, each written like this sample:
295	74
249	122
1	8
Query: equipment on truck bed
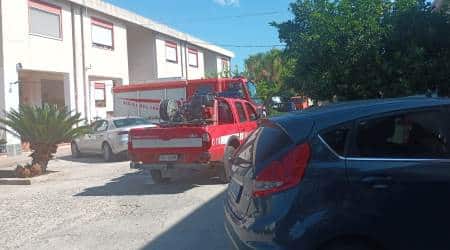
203	132
144	99
198	109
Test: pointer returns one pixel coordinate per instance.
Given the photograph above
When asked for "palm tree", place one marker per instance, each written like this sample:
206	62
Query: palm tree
44	128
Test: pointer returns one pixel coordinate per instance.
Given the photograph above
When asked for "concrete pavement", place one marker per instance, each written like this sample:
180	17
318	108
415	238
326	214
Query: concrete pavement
95	205
12	161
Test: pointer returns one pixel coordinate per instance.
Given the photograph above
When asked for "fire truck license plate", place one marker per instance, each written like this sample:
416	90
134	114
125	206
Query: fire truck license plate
168	157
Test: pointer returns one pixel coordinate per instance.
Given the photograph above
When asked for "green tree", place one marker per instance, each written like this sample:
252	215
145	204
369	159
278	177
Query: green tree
268	70
358	48
44	128
265	66
236	72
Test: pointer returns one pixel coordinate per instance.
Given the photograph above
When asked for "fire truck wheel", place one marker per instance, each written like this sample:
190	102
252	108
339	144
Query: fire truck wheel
156	176
226	170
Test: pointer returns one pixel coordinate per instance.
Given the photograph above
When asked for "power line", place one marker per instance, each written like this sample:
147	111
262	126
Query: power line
250	46
245	15
237	45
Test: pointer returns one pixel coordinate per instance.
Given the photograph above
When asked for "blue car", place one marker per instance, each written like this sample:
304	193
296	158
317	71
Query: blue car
360	175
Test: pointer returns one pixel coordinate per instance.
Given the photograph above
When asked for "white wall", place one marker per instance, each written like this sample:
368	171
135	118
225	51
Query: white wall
141	55
213	63
147	55
106	62
147	58
41	54
34	52
196	72
210	63
167	69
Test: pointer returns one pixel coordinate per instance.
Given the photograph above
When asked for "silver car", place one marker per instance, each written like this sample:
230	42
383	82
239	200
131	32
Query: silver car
108	137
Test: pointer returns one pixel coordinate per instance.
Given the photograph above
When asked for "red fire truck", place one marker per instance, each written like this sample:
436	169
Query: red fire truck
144	99
205	132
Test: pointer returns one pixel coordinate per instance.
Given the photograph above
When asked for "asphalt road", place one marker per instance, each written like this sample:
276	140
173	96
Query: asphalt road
94	205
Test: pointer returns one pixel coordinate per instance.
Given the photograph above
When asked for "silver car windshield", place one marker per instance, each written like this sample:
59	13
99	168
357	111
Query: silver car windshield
128	122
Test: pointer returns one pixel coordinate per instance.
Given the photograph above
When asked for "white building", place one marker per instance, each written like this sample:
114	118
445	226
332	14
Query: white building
72	52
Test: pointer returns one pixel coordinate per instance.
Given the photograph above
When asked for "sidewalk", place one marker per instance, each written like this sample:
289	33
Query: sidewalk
11	161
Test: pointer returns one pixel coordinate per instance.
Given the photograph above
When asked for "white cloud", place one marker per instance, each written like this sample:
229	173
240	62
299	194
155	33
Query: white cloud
227	2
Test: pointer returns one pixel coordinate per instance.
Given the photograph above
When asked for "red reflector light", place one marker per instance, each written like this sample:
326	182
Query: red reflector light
284	173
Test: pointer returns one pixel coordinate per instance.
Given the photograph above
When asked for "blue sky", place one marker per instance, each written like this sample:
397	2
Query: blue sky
222	22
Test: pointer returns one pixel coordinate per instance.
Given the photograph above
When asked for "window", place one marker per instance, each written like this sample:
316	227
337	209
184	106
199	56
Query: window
408	135
193	58
270	141
45	19
171	52
101	126
251	112
204	89
225	67
102	33
241	112
100	95
337	139
225	64
253	93
225	114
130	122
233	90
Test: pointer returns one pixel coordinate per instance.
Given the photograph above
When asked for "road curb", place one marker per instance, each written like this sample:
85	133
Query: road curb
28	181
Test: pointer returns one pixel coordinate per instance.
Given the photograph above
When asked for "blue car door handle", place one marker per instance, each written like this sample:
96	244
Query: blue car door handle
378	182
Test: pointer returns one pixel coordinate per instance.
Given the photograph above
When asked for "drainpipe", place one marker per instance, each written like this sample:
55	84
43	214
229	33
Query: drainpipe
183	75
88	117
75	78
186	59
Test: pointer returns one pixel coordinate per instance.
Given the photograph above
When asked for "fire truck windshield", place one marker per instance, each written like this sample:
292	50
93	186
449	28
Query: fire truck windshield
253	93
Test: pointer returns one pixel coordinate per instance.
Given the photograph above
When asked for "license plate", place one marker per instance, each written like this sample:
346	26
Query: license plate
168	157
234	189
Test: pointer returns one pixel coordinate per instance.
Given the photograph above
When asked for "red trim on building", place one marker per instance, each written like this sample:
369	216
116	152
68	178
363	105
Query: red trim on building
99	85
102	23
142	100
173	45
150	86
194	52
44	6
175	84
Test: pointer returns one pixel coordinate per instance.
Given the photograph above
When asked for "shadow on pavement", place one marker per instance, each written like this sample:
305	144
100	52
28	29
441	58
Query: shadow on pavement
140	183
202	229
7	174
88	159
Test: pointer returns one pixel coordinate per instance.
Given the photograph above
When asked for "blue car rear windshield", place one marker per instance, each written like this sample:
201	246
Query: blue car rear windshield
262	144
270	141
128	122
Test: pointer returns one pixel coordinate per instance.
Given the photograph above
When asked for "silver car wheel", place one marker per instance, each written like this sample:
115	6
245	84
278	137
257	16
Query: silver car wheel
107	152
75	150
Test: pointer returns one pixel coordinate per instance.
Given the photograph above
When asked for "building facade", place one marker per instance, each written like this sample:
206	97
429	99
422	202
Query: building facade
72	52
